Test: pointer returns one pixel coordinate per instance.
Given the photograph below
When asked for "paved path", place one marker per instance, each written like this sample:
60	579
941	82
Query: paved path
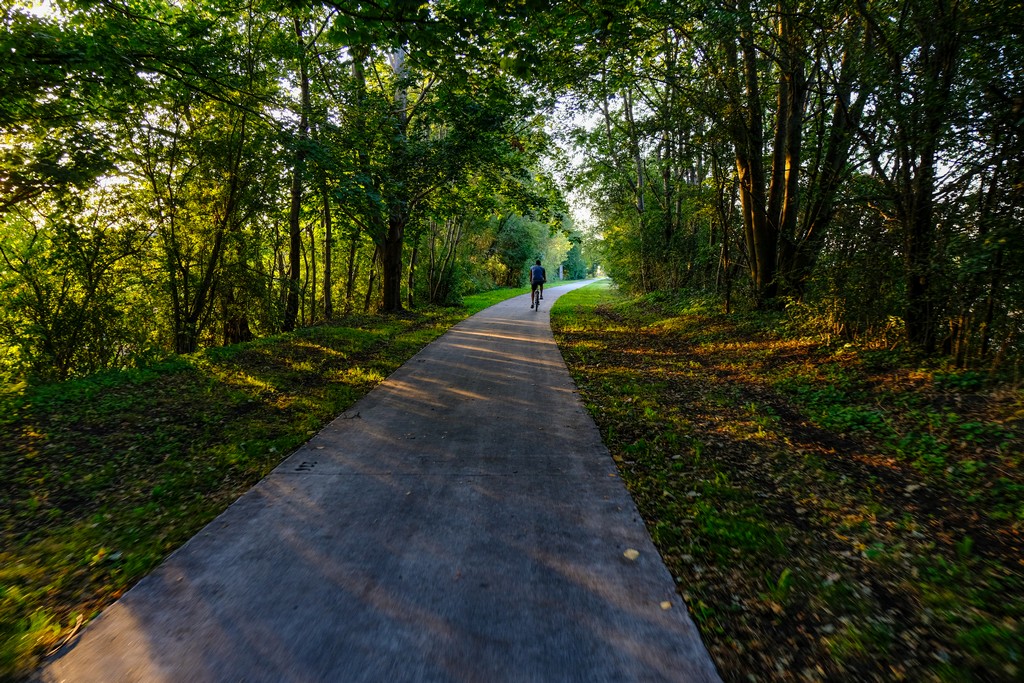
462	522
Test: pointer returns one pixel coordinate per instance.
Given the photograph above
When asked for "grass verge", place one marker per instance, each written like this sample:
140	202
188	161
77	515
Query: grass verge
101	478
829	513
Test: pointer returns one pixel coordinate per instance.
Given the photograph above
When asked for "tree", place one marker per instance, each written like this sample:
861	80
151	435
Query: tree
61	271
291	310
920	60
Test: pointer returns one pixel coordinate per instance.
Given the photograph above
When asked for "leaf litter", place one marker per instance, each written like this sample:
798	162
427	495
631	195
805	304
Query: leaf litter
828	514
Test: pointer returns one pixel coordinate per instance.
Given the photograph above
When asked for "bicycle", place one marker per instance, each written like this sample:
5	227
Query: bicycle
537	279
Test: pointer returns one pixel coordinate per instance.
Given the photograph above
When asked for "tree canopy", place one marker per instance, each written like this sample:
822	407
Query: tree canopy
857	164
178	175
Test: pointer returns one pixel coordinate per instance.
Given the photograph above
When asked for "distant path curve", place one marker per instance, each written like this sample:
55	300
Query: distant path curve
462	522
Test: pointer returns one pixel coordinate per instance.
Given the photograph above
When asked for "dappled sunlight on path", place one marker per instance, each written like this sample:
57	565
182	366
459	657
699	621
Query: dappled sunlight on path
462	522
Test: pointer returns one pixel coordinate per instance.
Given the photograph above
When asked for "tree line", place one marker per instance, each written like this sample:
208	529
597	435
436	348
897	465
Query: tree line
858	164
174	175
178	175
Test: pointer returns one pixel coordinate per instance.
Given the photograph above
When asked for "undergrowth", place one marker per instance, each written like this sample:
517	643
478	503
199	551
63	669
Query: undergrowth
830	513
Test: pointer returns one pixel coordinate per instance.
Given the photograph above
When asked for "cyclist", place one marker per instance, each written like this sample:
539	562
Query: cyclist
538	277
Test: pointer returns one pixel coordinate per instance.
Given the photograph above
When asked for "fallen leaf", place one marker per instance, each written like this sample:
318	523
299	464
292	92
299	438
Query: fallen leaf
631	554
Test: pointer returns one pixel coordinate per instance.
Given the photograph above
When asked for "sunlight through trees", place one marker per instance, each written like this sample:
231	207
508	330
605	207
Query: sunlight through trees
180	175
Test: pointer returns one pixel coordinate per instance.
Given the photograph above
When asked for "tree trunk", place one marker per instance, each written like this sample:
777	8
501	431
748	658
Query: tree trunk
940	47
412	272
391	265
282	276
309	266
398	209
328	249
291	309
350	282
783	203
800	251
995	284
359	55
761	235
919	242
371	279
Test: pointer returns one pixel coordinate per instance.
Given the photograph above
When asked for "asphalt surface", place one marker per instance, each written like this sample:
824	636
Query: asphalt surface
462	522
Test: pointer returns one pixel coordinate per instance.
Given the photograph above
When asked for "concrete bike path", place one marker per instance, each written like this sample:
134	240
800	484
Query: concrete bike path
462	522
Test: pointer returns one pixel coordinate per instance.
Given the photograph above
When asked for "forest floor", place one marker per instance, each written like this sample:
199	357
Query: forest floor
830	513
102	477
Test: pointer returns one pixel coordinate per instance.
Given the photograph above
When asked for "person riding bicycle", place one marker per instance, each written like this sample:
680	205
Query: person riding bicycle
538	276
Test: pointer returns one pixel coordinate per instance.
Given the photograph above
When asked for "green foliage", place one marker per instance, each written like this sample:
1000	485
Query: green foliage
783	165
147	154
969	381
575	266
864	290
67	310
518	242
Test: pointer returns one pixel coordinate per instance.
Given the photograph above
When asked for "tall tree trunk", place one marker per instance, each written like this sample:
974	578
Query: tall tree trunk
282	276
291	309
398	206
371	279
432	260
198	302
995	284
411	286
639	187
761	236
940	35
668	143
439	265
311	270
632	171
350	281
391	264
919	244
783	195
359	55
800	251
328	250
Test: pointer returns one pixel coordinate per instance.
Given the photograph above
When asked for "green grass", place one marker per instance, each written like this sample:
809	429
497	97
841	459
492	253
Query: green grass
828	513
101	478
